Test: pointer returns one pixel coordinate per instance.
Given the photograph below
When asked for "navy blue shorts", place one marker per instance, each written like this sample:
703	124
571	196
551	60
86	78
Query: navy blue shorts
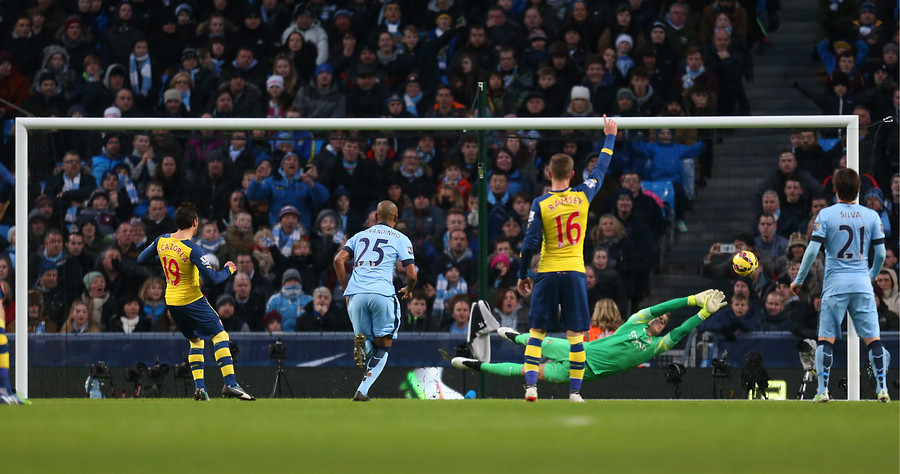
560	301
197	319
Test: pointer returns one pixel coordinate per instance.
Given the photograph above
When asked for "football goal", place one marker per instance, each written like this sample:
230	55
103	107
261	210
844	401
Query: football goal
31	140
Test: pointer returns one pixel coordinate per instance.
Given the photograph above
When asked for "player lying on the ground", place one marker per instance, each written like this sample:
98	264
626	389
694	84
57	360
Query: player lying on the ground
634	343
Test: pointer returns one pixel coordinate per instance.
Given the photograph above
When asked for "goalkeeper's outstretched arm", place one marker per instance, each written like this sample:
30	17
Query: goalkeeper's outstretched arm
713	301
646	314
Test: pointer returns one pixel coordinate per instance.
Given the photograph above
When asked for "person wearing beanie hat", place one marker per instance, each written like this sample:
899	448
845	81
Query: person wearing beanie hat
172	95
292	274
394	98
284	138
287	211
88	279
231	321
500	258
45	266
275	81
868	7
874	200
184	8
625	38
841	45
580	106
623	45
112	112
272	322
190	53
580	92
797	244
279	101
224	299
323	98
537	35
624	92
290	301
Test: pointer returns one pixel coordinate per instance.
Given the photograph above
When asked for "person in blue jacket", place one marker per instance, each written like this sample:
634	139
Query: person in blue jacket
664	163
293	186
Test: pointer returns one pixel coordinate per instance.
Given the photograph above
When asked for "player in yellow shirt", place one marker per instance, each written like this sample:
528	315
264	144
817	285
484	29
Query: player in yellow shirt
557	226
183	263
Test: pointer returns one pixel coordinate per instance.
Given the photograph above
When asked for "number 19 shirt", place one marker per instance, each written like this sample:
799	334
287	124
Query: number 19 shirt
183	262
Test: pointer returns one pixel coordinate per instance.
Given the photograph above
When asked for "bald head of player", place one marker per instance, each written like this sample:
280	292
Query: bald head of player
386	212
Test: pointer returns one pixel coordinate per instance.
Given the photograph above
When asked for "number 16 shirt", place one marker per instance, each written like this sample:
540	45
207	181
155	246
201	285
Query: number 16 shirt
561	216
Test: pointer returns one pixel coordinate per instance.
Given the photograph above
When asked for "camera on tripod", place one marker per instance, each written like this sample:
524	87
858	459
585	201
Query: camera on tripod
754	375
675	375
183	370
135	373
158	371
99	381
721	368
100	370
277	350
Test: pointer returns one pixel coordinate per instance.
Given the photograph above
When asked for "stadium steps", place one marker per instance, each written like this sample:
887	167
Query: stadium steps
723	208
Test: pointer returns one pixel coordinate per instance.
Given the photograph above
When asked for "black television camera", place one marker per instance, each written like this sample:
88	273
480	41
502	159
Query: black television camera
278	350
100	370
675	375
754	376
721	368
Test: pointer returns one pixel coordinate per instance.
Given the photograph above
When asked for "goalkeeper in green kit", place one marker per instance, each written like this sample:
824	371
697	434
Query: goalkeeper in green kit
634	343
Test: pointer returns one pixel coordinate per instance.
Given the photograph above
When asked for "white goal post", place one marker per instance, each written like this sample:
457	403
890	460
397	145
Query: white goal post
23	125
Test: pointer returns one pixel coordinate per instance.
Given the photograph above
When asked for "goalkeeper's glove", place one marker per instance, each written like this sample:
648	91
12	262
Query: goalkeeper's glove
700	298
715	302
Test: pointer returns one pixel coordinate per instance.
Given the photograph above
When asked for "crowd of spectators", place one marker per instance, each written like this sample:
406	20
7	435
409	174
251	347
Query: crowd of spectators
281	204
858	50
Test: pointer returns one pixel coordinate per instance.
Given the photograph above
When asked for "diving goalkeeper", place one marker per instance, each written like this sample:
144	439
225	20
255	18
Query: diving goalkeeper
634	343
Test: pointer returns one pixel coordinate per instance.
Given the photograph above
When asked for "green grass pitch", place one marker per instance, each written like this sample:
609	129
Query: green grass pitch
395	435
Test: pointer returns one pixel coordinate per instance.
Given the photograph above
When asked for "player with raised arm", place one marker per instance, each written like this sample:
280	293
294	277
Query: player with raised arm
372	302
633	343
557	226
848	230
183	263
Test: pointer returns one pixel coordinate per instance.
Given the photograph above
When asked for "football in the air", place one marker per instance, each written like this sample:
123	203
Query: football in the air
744	263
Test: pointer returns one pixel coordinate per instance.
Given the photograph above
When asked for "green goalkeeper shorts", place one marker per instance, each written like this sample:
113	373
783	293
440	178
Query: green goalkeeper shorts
557	371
